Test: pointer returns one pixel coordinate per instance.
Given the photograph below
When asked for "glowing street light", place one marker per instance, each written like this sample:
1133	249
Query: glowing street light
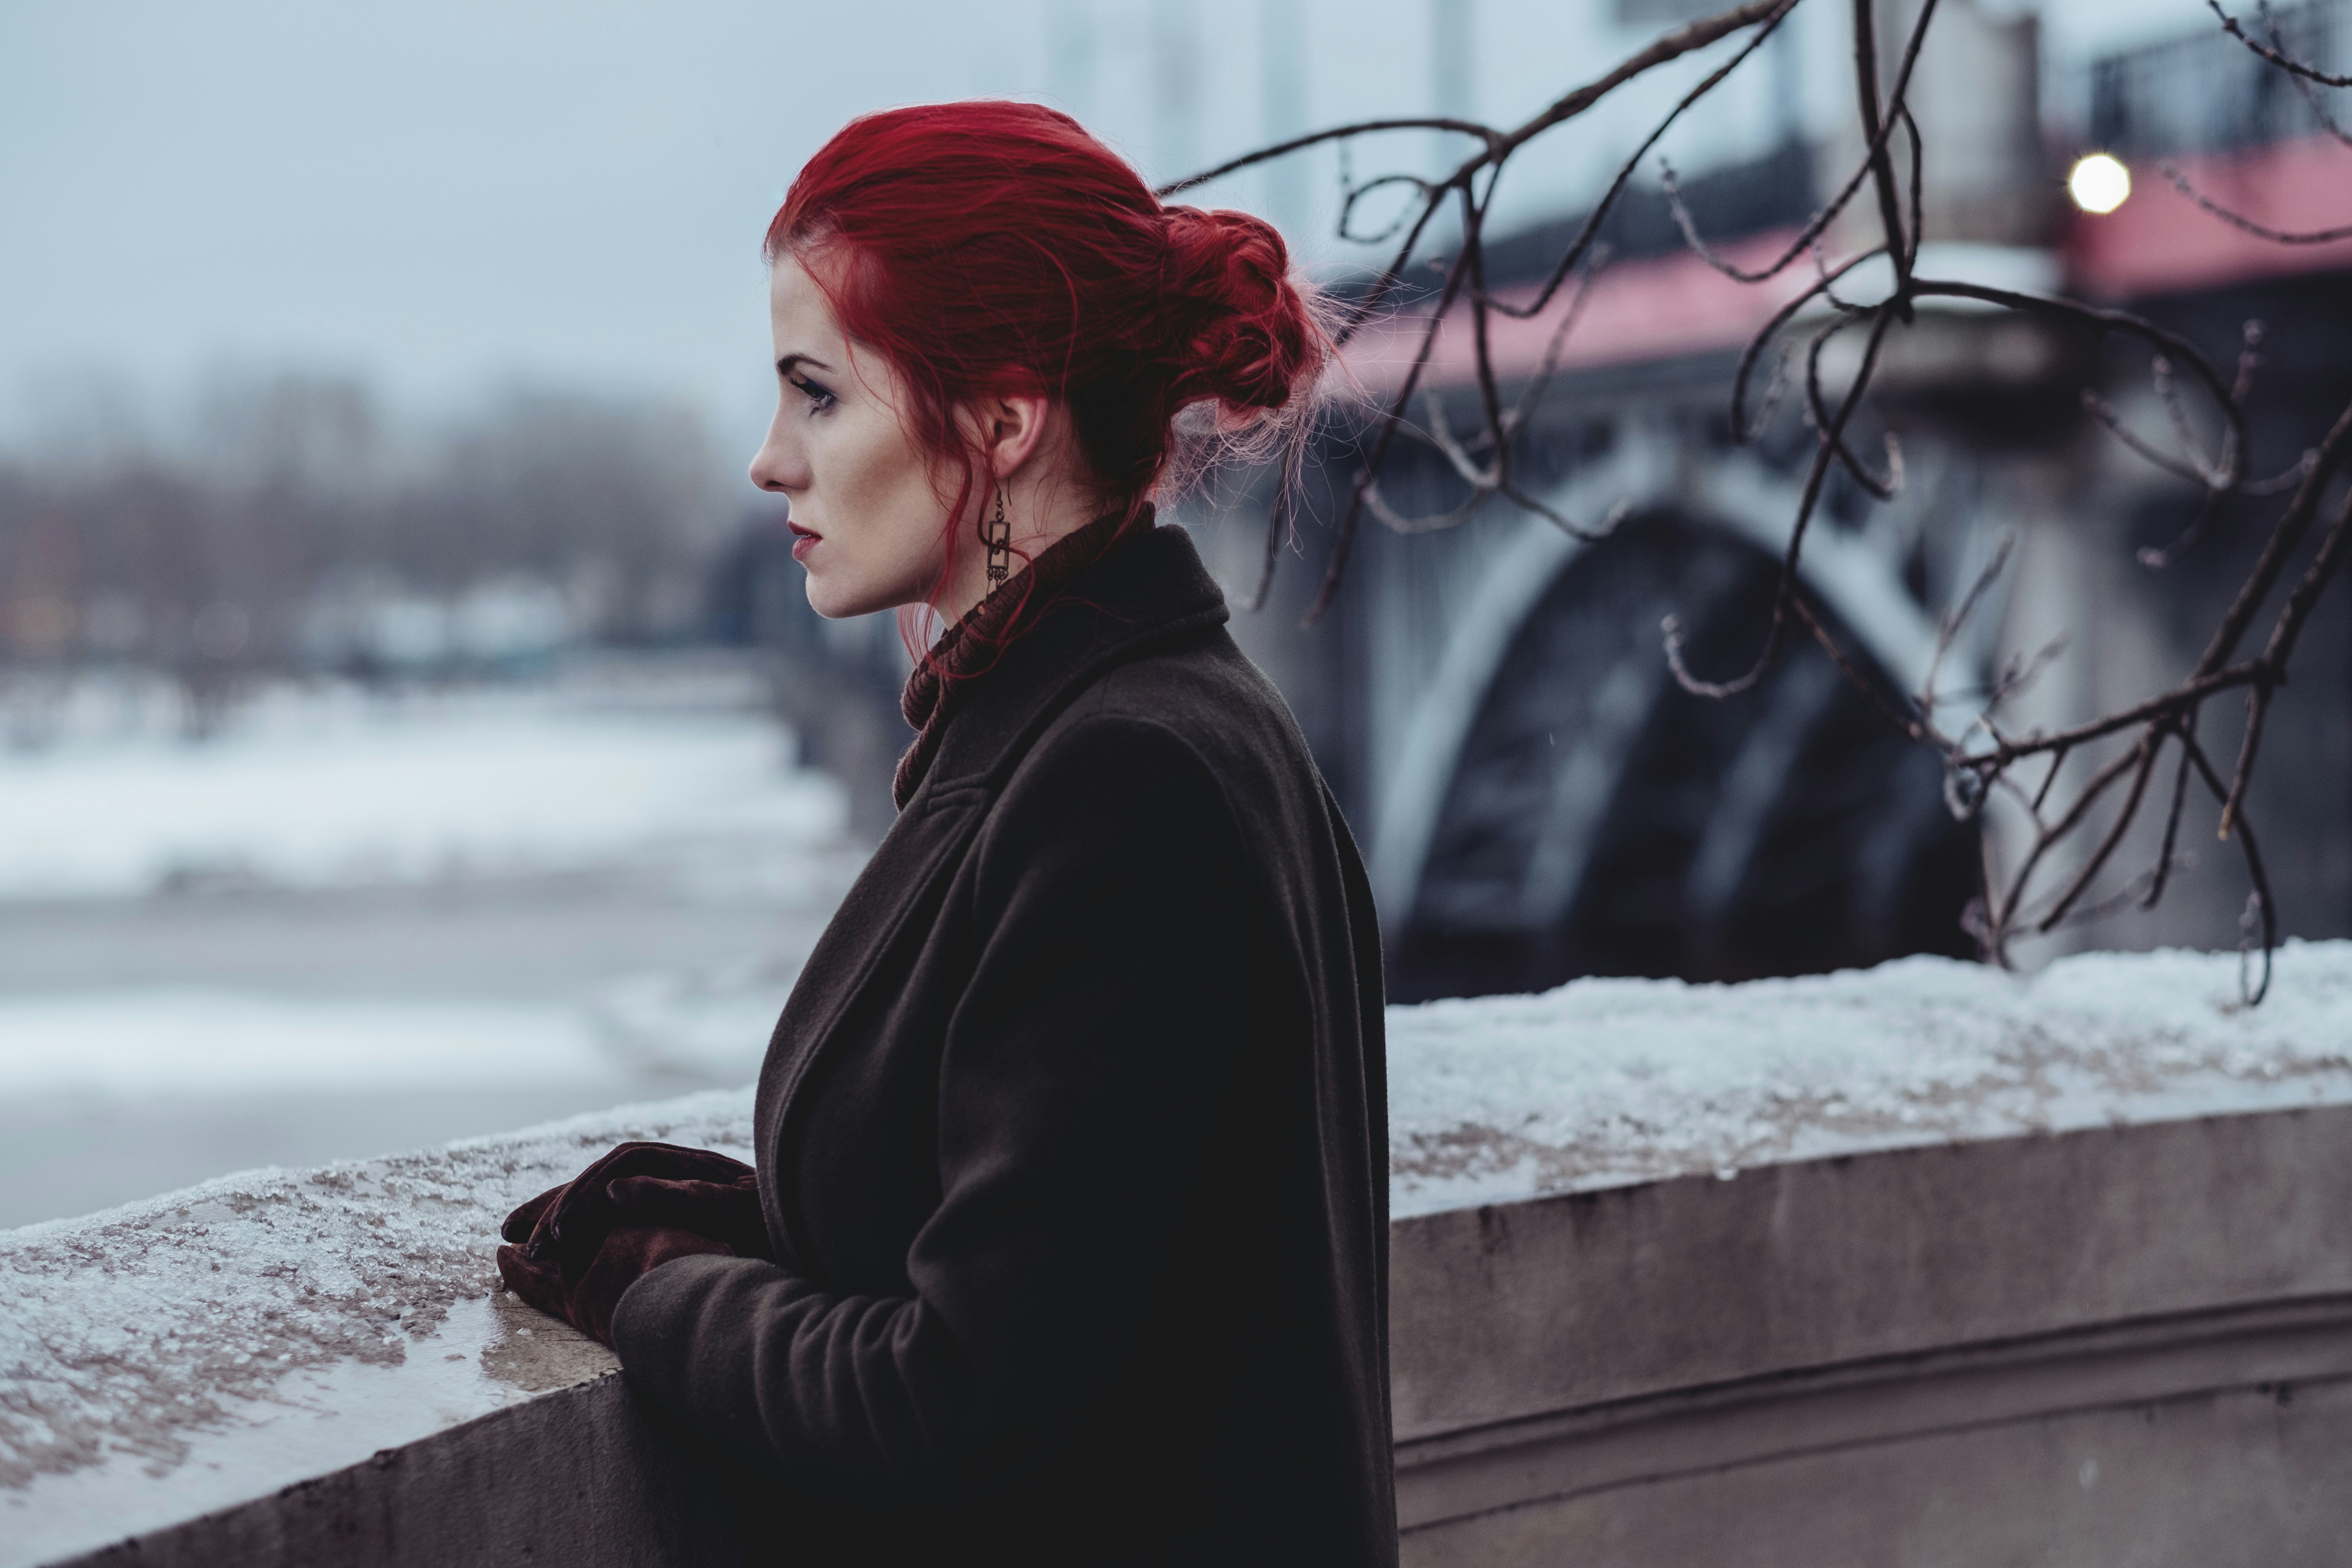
2099	182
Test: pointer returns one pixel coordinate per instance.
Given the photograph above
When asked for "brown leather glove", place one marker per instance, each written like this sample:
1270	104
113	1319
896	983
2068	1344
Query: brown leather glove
588	1299
575	1247
652	1184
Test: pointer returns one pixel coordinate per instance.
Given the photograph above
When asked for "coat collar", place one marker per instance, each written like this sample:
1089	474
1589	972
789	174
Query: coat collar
1149	589
968	650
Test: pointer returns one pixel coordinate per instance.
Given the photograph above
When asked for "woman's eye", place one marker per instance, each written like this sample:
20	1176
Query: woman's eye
820	399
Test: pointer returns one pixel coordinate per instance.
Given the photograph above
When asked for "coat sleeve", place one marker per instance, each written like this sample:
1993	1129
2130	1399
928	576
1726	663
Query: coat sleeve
1082	1080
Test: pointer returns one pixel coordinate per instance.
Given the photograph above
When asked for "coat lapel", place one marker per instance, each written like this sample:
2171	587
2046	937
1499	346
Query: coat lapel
908	870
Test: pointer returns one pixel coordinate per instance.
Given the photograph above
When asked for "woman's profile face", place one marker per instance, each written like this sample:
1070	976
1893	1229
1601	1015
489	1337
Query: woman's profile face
868	522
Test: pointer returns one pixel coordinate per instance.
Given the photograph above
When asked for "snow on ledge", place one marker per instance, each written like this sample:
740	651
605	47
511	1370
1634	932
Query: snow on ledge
272	1326
1602	1083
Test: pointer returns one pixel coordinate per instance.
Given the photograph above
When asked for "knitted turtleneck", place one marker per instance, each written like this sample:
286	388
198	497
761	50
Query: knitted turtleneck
969	649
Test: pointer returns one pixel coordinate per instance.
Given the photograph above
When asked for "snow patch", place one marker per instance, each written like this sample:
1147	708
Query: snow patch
337	787
133	1045
173	1329
1607	1082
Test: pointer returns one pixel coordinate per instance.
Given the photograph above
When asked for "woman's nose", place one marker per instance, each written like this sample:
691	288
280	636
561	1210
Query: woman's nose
775	468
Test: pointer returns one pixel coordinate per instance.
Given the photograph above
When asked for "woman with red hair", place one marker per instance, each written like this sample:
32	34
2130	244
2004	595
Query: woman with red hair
1067	1240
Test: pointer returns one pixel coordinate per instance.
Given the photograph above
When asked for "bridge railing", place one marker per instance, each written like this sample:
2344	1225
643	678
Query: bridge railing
2205	92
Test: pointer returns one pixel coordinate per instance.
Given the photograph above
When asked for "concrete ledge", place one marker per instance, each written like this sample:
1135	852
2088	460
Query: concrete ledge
2250	1473
576	1475
1592	1298
2275	1353
262	1341
2129	1345
1924	1266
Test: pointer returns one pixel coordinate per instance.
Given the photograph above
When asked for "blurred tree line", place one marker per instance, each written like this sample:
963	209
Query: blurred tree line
287	523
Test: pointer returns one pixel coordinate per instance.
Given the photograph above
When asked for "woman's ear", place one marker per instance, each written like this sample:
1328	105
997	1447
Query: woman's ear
1011	429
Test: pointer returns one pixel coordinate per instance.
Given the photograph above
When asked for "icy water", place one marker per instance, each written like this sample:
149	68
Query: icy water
349	928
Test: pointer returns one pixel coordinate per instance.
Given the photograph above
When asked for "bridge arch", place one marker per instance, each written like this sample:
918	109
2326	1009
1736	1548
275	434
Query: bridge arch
1558	806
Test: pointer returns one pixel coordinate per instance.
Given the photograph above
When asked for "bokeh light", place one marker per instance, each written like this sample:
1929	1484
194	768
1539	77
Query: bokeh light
2099	182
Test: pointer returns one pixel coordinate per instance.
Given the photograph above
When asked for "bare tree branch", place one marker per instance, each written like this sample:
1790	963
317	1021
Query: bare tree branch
2180	182
1983	762
2278	57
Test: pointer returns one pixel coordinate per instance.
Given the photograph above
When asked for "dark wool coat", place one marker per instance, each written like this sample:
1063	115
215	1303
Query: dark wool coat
1072	1141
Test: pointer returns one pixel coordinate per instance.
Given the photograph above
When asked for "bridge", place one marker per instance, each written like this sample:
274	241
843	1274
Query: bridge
1539	799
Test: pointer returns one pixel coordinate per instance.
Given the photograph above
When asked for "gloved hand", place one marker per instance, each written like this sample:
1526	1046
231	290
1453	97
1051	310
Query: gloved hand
588	1299
575	1247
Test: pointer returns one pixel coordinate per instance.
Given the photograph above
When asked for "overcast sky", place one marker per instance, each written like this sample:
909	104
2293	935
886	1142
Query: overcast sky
442	195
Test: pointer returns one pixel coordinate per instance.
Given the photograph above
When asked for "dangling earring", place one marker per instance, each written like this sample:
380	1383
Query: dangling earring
1000	544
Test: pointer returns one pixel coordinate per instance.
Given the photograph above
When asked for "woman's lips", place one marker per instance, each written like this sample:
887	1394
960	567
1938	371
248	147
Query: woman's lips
803	539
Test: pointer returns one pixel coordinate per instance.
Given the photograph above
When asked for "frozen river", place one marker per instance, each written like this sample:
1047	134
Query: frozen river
350	926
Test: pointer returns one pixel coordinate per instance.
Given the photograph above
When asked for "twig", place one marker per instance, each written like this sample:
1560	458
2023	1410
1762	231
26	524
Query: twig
2181	183
2286	62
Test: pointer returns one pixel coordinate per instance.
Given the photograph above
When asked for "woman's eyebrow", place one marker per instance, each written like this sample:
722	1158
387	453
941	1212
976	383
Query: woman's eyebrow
785	366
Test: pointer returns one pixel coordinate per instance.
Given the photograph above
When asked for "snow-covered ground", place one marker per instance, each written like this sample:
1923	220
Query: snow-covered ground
195	1043
334	786
352	922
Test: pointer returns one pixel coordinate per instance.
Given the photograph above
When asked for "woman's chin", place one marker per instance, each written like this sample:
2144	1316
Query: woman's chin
835	600
827	600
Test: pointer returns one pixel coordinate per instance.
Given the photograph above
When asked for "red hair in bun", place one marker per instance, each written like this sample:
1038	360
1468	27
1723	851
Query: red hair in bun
990	248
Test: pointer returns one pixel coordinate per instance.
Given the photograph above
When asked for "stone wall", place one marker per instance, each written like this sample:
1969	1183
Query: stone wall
1921	1266
2121	1345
